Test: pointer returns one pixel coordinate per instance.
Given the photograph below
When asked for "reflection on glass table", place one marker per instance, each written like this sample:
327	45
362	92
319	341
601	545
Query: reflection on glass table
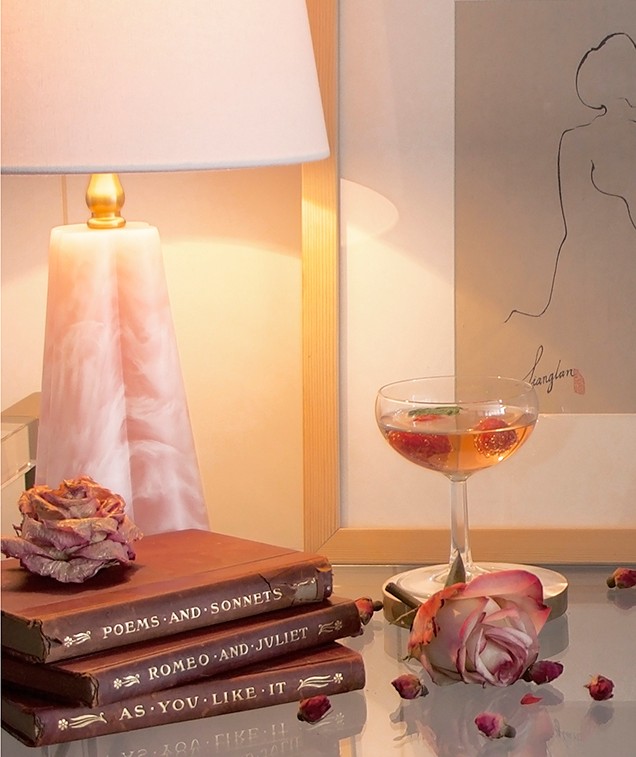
595	635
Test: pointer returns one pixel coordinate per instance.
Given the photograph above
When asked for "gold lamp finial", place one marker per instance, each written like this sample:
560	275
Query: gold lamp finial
105	198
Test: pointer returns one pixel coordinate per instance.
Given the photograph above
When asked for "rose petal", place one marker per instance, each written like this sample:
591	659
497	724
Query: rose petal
103	551
520	586
127	532
65	571
505	583
530	699
445	632
423	629
14	546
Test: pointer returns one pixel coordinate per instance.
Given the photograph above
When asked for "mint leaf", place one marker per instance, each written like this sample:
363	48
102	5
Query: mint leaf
434	411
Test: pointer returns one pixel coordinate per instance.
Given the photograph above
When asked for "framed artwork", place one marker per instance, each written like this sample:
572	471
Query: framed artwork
408	229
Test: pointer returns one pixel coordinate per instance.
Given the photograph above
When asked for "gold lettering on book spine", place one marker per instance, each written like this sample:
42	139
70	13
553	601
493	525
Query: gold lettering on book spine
303	591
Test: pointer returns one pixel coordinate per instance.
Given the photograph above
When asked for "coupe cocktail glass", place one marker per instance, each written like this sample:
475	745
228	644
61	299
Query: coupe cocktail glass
456	426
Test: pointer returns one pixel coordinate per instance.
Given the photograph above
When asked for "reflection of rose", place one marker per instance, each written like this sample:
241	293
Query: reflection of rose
71	532
484	631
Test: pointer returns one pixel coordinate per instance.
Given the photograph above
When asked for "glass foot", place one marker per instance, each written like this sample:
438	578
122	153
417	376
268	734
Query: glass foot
424	581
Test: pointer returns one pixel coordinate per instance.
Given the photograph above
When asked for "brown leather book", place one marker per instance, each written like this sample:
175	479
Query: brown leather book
135	669
180	580
328	670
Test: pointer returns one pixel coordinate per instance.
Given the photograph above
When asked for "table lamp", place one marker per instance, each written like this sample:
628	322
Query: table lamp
140	85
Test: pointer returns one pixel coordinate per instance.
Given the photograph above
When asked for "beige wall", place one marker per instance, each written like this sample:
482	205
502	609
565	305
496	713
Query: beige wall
231	244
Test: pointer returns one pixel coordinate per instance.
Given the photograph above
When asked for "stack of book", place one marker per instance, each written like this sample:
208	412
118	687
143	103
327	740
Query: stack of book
202	624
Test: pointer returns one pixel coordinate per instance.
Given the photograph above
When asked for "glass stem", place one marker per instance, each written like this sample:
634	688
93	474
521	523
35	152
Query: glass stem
460	543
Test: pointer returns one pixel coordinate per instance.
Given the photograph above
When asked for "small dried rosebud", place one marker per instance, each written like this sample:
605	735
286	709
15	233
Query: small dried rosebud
622	578
366	607
311	710
492	725
543	671
600	688
409	686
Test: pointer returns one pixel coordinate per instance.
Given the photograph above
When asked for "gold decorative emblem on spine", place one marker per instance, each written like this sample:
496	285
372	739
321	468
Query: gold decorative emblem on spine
319	682
81	721
77	638
334	625
127	681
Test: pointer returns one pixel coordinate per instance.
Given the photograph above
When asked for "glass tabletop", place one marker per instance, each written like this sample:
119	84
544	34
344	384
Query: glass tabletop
596	635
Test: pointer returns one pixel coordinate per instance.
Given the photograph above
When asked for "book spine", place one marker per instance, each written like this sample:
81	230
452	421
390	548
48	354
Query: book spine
215	657
55	725
65	637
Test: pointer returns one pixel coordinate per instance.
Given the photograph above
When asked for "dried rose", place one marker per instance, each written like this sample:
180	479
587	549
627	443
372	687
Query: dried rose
409	686
366	607
622	578
543	671
600	688
72	532
492	725
484	631
311	710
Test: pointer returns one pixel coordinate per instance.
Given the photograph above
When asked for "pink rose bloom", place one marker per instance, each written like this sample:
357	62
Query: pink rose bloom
484	631
72	532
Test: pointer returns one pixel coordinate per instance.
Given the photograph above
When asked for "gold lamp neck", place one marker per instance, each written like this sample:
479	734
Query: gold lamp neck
105	198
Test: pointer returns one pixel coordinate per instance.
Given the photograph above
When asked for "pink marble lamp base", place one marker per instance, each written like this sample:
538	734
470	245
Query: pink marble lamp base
113	401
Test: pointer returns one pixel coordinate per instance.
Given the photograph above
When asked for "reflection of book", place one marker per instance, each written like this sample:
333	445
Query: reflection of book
181	580
268	731
328	670
136	669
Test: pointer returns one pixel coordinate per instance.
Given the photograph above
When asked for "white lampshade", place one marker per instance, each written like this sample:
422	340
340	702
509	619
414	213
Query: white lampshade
108	86
136	85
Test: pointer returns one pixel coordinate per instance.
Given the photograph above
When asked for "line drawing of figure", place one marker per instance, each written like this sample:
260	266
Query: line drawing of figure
605	82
